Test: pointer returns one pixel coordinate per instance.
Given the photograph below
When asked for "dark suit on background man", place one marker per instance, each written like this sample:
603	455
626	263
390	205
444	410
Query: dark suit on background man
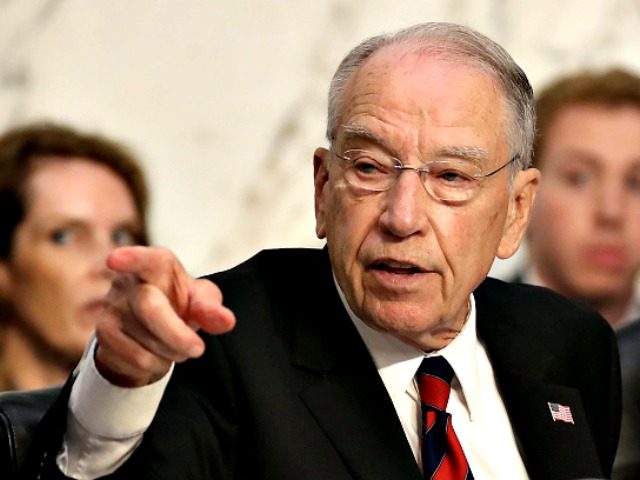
298	397
628	458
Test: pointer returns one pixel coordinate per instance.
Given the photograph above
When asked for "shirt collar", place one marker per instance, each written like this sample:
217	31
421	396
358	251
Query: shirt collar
397	362
461	354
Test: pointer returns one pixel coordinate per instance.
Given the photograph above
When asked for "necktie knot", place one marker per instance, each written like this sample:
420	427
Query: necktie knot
434	382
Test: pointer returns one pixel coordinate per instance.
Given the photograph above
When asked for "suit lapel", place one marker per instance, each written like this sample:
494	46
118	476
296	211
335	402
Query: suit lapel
550	449
364	430
349	400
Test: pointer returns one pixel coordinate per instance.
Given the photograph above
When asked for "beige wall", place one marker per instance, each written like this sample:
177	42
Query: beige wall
224	99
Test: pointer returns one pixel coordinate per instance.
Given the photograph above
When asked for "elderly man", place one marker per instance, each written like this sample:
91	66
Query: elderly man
388	354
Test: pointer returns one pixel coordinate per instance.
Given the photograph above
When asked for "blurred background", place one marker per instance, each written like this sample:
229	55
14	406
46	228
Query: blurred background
224	100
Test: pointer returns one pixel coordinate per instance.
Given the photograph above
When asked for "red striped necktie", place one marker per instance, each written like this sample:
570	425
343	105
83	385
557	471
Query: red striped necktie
442	455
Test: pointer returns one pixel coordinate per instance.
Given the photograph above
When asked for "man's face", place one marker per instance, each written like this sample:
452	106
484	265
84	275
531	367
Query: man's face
406	262
585	229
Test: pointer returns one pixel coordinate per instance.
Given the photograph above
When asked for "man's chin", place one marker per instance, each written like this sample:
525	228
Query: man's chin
398	319
414	324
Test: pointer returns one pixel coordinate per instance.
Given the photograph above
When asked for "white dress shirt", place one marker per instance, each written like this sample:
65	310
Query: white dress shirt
477	412
105	422
96	445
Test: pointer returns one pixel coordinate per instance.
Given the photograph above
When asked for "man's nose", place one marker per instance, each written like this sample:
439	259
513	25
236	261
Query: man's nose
405	206
610	202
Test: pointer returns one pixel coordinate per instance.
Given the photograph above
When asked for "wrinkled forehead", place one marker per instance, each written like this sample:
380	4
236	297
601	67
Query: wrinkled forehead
412	64
407	58
414	93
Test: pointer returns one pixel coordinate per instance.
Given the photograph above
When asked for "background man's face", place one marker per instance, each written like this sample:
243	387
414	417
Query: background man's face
585	229
406	262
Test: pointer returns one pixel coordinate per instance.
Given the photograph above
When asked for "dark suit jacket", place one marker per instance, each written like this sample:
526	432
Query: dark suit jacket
292	393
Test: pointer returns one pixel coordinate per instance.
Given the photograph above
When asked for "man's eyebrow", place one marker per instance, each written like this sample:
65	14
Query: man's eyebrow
464	152
358	132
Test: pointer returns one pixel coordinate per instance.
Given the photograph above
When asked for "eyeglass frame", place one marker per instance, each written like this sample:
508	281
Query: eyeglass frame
399	167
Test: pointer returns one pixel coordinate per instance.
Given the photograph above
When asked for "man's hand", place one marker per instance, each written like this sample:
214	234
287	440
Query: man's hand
152	313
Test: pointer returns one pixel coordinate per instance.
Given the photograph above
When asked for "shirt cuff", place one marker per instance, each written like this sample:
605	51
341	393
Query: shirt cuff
111	411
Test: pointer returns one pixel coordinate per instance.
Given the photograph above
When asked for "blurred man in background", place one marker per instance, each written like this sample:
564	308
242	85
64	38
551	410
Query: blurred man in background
584	235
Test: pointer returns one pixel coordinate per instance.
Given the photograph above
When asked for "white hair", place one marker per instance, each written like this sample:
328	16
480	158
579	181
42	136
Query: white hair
459	43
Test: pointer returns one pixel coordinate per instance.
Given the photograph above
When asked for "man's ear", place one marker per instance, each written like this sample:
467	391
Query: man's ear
524	188
320	179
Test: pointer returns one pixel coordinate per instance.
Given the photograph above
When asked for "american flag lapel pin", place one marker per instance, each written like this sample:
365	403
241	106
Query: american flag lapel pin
560	413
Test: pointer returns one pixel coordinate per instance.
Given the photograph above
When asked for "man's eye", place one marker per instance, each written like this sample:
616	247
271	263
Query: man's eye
451	176
61	236
633	183
366	166
577	178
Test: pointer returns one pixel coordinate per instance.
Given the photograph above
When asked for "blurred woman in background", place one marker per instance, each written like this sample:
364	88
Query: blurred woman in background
67	200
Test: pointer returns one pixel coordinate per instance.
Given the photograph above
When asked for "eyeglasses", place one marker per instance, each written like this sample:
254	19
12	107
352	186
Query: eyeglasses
450	181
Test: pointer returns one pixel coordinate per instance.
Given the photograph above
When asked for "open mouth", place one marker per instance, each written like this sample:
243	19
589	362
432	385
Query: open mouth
397	268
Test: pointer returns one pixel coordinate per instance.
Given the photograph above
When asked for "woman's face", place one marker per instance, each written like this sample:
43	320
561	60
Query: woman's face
77	211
